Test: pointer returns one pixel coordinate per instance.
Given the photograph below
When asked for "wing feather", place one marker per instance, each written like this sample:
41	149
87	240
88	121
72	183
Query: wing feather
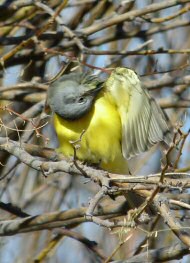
143	121
138	138
142	134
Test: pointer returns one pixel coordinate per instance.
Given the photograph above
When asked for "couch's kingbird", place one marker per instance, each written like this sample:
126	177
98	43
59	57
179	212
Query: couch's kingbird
114	120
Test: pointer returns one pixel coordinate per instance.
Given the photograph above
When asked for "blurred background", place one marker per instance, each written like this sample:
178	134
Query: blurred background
36	44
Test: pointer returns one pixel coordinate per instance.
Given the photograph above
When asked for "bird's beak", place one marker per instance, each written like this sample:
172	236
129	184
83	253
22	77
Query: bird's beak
95	91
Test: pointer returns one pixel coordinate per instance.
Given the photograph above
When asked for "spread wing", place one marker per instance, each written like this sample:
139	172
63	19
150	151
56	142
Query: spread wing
143	121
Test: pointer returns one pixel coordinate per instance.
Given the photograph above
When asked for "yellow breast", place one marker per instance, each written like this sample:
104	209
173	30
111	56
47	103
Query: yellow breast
101	140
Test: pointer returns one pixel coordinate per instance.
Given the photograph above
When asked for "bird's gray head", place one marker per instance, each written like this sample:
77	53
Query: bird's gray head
72	96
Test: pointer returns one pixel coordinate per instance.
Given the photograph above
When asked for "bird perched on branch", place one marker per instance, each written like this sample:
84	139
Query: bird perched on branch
112	121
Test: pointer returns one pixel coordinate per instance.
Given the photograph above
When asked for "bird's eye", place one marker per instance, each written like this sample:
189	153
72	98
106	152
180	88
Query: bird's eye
81	100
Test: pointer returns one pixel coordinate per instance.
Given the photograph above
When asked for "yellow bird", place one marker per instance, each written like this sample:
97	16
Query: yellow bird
115	120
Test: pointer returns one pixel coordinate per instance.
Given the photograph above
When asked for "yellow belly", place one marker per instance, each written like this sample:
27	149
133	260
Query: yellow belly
101	140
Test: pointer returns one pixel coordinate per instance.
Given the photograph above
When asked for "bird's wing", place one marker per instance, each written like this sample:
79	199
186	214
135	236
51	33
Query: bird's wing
143	121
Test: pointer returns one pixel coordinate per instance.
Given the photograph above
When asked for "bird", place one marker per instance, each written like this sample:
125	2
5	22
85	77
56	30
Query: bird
112	120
